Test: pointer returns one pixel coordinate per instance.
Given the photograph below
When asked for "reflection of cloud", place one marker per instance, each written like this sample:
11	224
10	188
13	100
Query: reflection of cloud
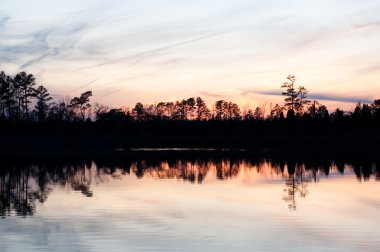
316	96
3	20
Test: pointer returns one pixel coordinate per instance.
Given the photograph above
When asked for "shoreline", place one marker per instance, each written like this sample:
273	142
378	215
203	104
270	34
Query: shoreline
55	146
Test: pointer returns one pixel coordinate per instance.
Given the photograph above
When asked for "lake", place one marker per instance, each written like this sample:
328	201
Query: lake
190	203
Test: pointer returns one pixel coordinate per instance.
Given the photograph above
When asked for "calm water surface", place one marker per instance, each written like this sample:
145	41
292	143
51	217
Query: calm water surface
190	205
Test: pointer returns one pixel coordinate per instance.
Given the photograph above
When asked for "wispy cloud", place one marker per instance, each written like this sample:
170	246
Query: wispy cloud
28	45
110	93
210	94
51	52
46	41
315	96
371	24
85	85
35	45
340	98
370	69
137	58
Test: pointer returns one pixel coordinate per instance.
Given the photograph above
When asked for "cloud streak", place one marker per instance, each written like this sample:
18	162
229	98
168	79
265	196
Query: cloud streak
137	58
316	96
210	94
110	92
50	53
85	85
42	43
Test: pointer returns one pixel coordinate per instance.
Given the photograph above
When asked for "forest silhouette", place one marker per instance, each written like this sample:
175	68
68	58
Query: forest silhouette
27	109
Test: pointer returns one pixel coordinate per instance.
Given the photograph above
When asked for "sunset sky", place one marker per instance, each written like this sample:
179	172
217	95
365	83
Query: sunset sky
161	50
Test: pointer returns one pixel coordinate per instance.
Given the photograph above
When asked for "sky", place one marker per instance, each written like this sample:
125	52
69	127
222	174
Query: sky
127	51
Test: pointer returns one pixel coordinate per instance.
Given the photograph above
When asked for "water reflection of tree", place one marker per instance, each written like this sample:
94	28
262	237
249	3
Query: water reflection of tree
22	185
187	170
81	181
363	170
14	194
296	184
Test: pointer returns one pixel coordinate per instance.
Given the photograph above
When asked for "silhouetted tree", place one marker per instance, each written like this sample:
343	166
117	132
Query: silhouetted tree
161	110
313	109
81	103
169	110
227	110
203	113
60	112
303	102
7	100
248	115
42	105
376	110
100	110
233	111
366	114
291	93
356	115
138	112
290	115
323	113
151	112
221	108
276	111
338	118
179	110
258	114
23	89
338	114
189	108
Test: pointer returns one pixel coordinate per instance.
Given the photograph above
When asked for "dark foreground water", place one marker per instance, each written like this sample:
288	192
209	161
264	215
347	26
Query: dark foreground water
190	204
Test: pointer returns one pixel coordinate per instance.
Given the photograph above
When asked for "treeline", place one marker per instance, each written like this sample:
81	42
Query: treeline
23	102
